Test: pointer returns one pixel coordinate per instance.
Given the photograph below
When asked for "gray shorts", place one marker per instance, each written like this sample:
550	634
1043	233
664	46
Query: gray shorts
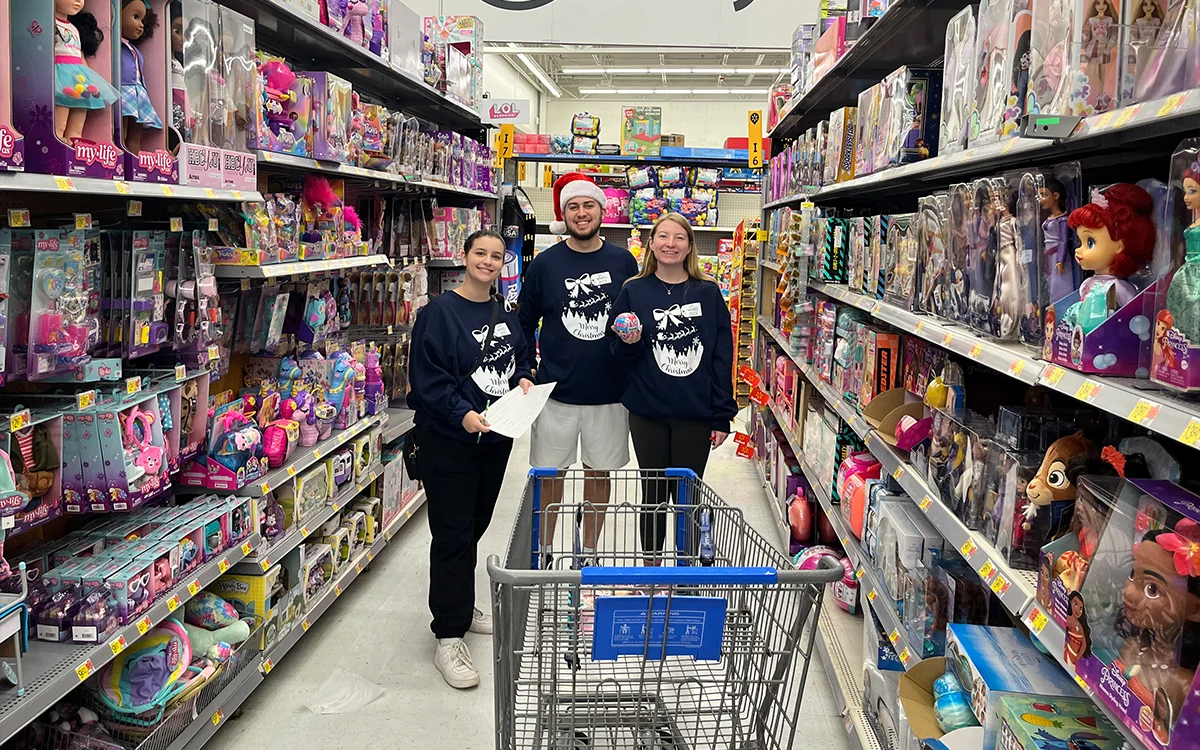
558	432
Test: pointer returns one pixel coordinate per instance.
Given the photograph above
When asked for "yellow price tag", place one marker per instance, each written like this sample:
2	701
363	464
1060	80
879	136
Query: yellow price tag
210	193
143	625
1016	367
18	421
920	325
18	217
133	385
1191	433
976	350
871	595
1173	102
168	191
173	603
1104	121
268	665
265	563
237	194
1009	146
926	503
860	573
134	209
85	400
305	625
214	352
213	225
1126	115
223	565
1079	681
193	587
947	338
1000	585
180	373
123	187
216	719
264	488
337	590
291	471
1053	375
303	531
117	645
1088	391
64	183
1037	620
894	637
987	570
899	472
85	670
358	567
176	224
370	556
246	548
1143	412
967	549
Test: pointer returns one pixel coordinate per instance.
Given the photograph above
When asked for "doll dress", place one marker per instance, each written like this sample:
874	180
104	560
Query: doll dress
135	99
75	84
1183	296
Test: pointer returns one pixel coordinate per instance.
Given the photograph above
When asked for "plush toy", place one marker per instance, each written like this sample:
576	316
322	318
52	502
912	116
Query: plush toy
207	610
1052	483
356	22
277	94
217	644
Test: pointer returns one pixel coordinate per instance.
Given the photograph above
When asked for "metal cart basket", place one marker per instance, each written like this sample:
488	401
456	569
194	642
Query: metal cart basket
703	645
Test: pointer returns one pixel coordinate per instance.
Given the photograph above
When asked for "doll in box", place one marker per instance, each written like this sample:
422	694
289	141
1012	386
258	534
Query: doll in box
138	22
1099	58
1062	272
1052	487
1183	295
77	88
1116	238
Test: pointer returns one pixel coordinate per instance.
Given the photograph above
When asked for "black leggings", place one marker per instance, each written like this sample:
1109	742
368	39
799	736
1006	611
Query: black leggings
662	444
462	481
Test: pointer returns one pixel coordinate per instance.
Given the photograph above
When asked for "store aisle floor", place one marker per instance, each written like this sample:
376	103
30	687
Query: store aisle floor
379	629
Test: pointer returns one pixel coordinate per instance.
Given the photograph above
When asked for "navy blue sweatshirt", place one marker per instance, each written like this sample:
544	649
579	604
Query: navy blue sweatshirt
446	340
570	294
682	368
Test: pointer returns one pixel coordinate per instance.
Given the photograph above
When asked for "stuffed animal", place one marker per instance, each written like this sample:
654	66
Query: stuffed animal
217	644
207	610
1052	483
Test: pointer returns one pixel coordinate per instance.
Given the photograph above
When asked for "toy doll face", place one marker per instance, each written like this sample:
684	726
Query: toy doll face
1191	194
67	7
1047	199
132	15
177	35
1097	249
1155	596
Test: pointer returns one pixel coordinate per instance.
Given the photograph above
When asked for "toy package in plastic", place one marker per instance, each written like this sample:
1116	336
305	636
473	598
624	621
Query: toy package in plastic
933	265
910	131
640	177
706	177
983	230
646	206
1165	56
1050	77
958	82
1094	59
672	177
585	124
583	145
560	144
993	58
1016	74
958	288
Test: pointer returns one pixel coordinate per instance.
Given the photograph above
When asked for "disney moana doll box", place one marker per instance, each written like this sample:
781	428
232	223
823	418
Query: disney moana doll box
993	663
1140	618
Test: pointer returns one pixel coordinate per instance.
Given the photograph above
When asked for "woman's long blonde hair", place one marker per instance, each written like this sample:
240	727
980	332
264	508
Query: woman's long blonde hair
691	263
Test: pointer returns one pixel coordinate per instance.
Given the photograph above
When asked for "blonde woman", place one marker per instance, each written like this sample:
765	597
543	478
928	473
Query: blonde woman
679	381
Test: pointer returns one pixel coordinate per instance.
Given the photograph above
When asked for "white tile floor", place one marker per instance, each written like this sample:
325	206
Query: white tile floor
380	629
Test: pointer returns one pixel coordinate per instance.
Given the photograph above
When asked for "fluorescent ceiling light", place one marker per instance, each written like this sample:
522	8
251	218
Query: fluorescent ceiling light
660	92
624	71
597	91
635	91
763	92
673	92
673	71
710	91
538	73
712	71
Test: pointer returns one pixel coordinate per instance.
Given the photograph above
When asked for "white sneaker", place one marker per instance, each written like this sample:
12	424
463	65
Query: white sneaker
453	660
481	622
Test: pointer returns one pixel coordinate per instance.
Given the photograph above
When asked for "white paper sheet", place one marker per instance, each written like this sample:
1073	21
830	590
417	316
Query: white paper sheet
514	413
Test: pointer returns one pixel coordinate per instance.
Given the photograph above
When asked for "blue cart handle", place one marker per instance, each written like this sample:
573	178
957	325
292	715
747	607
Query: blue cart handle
672	576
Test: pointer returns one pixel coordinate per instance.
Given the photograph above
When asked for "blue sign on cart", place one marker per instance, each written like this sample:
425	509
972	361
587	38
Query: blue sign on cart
695	627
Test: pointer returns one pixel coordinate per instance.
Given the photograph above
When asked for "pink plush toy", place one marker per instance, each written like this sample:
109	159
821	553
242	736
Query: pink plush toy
356	22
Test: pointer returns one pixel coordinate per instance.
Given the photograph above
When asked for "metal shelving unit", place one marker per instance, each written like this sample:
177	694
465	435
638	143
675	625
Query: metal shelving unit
644	227
691	161
840	651
54	669
296	268
31	182
400	421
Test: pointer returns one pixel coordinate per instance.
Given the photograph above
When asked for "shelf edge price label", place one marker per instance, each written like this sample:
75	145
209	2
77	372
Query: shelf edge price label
1037	620
84	671
291	471
193	587
223	565
920	325
871	595
967	549
926	503
210	193
1000	585
1016	367
1088	391
117	645
180	373
85	400
1191	433
306	625
1173	102
133	385
267	666
337	590
1144	412
134	209
987	570
19	420
1126	115
894	637
18	218
947	338
905	657
899	472
754	138
83	221
246	548
173	603
1053	374
860	573
143	625
216	719
1104	121
64	183
266	563
977	349
176	223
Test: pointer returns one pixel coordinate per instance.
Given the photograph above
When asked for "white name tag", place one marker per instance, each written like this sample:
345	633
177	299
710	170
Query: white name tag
502	329
600	279
692	310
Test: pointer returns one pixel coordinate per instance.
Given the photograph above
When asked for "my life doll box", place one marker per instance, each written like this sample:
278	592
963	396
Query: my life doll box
992	663
62	89
239	78
1175	360
1033	724
1140	613
35	452
198	95
144	72
12	142
1104	327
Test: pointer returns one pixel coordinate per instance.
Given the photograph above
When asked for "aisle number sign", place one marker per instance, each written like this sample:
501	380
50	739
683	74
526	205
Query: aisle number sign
506	140
521	172
547	176
497	153
755	139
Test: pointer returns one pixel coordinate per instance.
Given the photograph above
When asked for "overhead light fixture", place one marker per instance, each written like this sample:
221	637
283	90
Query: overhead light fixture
635	91
538	73
659	92
765	70
597	91
712	71
750	92
706	92
673	92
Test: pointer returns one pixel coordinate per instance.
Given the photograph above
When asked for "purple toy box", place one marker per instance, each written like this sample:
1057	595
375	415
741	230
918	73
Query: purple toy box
1117	347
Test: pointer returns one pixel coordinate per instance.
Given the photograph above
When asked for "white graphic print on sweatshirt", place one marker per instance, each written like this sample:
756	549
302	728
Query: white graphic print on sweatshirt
585	315
676	341
499	362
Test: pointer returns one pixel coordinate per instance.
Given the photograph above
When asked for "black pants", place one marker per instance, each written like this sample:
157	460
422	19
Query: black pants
462	481
662	444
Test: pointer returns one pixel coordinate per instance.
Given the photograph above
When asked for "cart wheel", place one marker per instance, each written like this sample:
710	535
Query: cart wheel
572	661
572	740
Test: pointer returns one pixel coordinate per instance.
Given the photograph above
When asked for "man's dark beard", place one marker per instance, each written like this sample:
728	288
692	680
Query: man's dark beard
583	237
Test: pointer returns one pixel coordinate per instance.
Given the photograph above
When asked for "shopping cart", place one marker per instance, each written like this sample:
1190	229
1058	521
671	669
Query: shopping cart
708	649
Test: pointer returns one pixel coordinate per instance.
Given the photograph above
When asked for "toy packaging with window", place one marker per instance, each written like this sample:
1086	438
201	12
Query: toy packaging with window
59	319
989	209
910	116
331	109
1105	326
1094	58
641	130
145	94
959	81
956	308
1138	609
992	663
239	85
283	115
1175	350
202	97
994	57
903	242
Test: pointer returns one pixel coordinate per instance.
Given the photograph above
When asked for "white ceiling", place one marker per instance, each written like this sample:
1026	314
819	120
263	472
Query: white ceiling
635	72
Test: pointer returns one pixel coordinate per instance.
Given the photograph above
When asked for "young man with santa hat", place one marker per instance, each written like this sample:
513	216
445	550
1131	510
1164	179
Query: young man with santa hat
569	290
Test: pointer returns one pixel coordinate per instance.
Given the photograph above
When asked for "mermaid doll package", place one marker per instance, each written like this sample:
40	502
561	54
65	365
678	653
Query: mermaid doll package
958	82
1175	352
1104	326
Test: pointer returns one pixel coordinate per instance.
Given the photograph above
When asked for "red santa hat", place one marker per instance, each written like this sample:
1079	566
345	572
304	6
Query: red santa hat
572	185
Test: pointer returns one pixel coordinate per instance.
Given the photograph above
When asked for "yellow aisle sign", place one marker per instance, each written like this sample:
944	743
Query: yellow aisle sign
521	172
497	153
506	140
547	176
755	145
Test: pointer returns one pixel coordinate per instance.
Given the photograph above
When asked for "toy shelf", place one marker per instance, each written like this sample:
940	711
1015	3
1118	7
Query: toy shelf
285	29
444	263
296	268
657	161
1015	588
272	160
31	182
1097	136
1138	401
400	421
777	511
644	227
840	650
54	669
910	32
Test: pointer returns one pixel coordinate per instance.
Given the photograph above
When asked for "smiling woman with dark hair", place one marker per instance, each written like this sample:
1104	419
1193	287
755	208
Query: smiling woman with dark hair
467	351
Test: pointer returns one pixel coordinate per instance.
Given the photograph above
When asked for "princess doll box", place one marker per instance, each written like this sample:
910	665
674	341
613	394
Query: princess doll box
992	663
1116	347
1142	614
1030	724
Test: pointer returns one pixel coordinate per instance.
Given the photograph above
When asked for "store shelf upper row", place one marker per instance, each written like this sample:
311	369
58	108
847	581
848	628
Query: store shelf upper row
911	32
416	182
1103	138
691	161
286	30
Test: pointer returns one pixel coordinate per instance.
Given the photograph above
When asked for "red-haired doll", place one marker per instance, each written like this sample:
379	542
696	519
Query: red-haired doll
1116	238
1183	296
1163	323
